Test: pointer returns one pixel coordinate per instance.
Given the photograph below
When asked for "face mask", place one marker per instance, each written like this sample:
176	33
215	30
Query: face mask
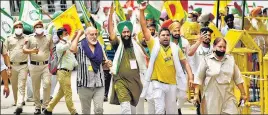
18	31
189	19
66	38
39	31
219	53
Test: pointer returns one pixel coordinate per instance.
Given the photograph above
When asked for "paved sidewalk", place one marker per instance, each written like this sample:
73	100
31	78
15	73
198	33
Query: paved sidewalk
61	108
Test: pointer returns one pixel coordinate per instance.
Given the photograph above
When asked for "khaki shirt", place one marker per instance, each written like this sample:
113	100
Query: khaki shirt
218	79
44	44
14	47
224	71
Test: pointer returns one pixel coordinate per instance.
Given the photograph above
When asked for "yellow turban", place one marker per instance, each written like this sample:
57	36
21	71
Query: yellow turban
174	25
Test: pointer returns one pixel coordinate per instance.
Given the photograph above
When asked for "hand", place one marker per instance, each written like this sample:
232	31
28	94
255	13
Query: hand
143	6
191	84
80	33
112	8
196	99
9	73
243	97
35	50
202	37
108	63
6	91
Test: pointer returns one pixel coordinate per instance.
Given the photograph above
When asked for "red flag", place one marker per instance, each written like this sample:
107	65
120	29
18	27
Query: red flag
184	4
129	3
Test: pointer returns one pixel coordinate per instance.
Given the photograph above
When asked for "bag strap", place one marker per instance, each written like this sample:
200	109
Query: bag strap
60	61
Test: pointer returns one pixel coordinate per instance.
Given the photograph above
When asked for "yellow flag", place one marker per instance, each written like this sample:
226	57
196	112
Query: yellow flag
216	33
69	20
119	10
174	10
222	8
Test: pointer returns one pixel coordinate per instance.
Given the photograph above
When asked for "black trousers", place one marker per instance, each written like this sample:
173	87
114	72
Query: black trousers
107	77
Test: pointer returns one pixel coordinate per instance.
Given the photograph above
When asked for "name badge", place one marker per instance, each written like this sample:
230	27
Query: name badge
90	68
133	64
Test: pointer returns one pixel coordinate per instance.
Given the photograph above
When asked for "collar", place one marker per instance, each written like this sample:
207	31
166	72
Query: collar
165	48
213	56
14	35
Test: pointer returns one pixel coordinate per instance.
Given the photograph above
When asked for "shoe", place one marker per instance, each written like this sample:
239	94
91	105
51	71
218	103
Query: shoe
37	112
14	104
18	111
76	114
51	97
43	109
23	103
41	101
179	111
105	99
30	100
47	112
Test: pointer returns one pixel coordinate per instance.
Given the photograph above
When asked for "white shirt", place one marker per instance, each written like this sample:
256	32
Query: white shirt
198	55
225	29
2	66
68	60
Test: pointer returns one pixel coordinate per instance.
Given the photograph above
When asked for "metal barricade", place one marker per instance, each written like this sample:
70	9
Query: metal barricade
265	76
242	46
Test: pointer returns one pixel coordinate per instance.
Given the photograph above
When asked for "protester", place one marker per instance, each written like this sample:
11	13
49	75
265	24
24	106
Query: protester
217	73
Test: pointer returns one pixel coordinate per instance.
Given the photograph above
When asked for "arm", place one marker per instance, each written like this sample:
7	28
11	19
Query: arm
146	32
26	49
239	82
188	71
63	46
194	47
111	25
74	43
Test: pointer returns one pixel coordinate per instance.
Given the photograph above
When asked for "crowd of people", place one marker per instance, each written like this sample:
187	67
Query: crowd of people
145	60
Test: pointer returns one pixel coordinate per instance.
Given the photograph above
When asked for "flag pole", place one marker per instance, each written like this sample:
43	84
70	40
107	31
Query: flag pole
44	12
243	14
217	17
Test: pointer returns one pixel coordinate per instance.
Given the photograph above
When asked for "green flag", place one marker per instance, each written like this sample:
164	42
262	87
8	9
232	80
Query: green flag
85	12
30	12
254	5
154	12
119	10
6	25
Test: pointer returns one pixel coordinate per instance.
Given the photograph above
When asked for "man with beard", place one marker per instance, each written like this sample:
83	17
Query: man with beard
198	51
128	64
165	70
175	29
229	20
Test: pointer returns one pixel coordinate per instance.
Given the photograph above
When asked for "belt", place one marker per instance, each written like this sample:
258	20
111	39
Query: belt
39	63
18	63
159	81
64	69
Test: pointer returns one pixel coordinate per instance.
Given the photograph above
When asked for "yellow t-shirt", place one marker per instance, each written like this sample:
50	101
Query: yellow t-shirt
164	68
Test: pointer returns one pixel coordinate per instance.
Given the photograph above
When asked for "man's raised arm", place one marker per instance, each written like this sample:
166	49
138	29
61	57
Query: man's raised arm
146	32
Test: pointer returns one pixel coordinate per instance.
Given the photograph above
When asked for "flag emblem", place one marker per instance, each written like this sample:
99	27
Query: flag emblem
34	15
6	27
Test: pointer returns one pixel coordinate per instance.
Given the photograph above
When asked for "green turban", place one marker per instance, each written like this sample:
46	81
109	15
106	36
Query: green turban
124	24
149	16
198	10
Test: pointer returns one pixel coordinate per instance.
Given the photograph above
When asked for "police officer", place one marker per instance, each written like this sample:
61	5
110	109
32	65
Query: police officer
38	46
17	64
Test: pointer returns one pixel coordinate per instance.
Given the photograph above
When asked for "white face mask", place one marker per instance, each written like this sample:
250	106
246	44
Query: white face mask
189	19
39	31
66	38
18	31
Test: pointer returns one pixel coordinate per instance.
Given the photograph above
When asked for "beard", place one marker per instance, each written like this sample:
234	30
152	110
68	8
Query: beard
230	25
176	36
152	33
126	41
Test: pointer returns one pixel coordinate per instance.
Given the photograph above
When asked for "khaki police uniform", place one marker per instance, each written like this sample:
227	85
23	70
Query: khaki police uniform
13	46
39	67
